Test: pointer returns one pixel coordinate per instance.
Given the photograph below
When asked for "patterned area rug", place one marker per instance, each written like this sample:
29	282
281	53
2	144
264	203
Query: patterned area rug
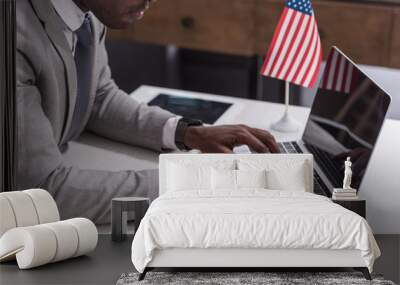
253	278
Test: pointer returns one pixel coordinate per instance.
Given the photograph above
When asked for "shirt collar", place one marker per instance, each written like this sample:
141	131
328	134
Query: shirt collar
70	13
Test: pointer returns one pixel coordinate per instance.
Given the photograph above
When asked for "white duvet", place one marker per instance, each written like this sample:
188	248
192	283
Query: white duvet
250	219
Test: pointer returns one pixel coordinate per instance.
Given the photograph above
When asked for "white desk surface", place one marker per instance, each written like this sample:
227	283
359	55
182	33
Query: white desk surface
381	185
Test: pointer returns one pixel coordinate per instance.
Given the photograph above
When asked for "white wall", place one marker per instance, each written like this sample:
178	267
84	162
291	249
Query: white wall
389	79
381	184
383	210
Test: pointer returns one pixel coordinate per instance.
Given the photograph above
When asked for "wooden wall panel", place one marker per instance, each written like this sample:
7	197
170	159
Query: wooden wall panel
361	31
213	25
395	48
368	33
268	13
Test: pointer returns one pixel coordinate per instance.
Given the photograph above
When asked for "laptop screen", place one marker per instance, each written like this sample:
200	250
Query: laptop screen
346	117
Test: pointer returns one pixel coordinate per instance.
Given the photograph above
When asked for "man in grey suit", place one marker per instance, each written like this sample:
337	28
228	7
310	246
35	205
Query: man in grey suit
64	87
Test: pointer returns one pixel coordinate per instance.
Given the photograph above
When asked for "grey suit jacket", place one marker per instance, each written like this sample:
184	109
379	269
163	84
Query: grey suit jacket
46	94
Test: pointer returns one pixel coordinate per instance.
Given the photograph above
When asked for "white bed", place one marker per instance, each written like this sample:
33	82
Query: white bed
200	220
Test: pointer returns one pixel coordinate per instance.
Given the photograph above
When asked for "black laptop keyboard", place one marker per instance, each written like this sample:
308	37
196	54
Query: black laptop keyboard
319	186
289	147
330	168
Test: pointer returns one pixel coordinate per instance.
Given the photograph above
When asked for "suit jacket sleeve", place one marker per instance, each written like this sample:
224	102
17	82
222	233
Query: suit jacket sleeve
84	193
117	116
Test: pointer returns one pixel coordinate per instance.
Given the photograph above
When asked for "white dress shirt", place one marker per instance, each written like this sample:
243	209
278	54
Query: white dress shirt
73	18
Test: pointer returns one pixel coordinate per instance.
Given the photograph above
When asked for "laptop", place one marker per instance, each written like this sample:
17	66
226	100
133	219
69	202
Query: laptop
346	118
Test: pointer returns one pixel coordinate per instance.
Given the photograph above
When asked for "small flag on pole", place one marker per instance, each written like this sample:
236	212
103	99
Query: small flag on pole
338	73
294	54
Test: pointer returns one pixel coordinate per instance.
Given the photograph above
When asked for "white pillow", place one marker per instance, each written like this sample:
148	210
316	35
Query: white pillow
189	175
251	178
226	179
292	179
283	173
185	178
223	179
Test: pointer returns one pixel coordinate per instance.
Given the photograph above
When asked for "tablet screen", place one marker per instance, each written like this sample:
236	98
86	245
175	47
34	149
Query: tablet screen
205	110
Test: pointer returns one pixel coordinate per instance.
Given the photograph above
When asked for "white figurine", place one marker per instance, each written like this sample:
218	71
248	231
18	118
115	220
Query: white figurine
348	173
346	193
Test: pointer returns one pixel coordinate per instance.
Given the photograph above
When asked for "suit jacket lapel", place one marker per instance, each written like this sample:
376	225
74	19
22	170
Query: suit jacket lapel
54	28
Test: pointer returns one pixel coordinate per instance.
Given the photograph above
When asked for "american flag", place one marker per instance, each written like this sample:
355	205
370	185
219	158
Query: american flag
338	73
294	54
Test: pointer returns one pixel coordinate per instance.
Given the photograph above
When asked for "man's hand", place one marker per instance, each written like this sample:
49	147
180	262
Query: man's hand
222	139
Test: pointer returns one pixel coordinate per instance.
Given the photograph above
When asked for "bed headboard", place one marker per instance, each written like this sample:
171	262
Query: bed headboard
235	159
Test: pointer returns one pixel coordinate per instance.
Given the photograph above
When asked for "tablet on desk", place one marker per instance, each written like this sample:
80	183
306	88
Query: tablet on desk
200	109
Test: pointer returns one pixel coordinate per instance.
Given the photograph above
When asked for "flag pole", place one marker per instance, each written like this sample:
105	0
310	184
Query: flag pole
287	93
286	124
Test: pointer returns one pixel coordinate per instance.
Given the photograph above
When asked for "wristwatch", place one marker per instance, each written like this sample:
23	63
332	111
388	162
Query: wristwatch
180	132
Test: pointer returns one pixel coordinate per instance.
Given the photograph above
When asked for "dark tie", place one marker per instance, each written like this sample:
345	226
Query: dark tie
83	60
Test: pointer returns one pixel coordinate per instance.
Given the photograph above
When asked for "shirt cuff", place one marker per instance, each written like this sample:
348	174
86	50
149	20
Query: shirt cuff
168	136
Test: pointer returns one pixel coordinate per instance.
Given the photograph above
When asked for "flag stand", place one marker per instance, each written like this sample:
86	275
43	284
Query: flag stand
286	124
